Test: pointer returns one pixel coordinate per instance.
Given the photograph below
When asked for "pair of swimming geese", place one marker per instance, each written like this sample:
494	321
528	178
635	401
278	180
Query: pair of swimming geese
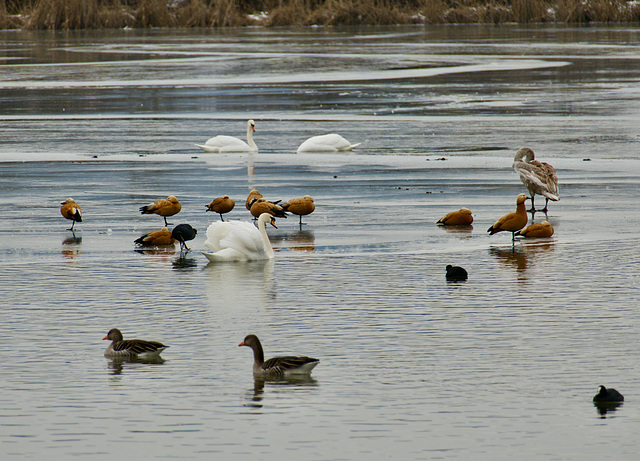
276	367
539	178
228	144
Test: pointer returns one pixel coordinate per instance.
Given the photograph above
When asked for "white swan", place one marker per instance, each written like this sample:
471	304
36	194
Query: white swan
222	144
239	240
326	143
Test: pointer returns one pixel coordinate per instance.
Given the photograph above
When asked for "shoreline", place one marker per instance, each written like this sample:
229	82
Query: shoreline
114	14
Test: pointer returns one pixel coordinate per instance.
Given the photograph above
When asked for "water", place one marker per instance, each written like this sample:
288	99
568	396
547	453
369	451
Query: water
503	364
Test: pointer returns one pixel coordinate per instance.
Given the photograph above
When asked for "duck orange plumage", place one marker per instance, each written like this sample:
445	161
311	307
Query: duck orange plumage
300	206
512	222
221	205
71	210
252	197
157	237
262	205
537	230
462	217
164	207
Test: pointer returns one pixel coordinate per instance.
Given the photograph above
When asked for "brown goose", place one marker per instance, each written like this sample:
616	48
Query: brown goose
539	177
277	366
301	206
221	205
131	348
537	230
512	222
164	207
262	205
71	210
157	237
462	217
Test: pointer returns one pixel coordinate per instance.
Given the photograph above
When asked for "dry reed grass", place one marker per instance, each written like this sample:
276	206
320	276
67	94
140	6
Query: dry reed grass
92	14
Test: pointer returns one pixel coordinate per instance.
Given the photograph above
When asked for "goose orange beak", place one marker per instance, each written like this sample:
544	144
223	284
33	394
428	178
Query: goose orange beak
106	337
242	344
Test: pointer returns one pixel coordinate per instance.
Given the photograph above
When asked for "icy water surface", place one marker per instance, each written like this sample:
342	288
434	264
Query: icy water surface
503	365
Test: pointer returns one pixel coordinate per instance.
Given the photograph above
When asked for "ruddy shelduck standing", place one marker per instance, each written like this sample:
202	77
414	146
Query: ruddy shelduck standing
300	206
71	210
164	207
539	177
512	222
462	217
221	205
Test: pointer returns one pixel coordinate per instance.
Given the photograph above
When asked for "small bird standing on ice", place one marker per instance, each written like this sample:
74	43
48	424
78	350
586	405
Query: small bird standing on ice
301	206
71	210
221	205
512	222
164	207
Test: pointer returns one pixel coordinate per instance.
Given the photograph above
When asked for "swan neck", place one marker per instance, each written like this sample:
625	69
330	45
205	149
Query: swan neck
265	238
250	137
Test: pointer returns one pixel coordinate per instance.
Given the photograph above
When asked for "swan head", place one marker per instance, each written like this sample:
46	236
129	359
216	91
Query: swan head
267	218
525	153
521	198
252	125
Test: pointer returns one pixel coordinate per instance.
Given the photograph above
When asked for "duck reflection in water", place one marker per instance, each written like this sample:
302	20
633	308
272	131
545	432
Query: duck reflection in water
118	364
256	395
521	257
71	246
184	263
301	240
606	407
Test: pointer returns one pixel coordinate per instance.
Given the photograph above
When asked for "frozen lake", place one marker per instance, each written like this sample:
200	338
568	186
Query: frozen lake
502	365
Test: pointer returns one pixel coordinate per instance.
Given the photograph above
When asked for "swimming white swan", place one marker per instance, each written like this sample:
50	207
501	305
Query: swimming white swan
539	177
326	143
222	144
239	240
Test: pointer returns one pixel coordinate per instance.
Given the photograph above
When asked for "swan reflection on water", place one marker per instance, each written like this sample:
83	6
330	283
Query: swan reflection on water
255	395
606	407
235	284
117	365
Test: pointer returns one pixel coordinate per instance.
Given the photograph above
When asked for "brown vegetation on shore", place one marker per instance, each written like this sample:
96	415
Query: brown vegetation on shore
113	14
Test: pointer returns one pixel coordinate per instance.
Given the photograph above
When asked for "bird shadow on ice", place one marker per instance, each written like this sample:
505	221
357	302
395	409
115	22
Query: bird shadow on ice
257	393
